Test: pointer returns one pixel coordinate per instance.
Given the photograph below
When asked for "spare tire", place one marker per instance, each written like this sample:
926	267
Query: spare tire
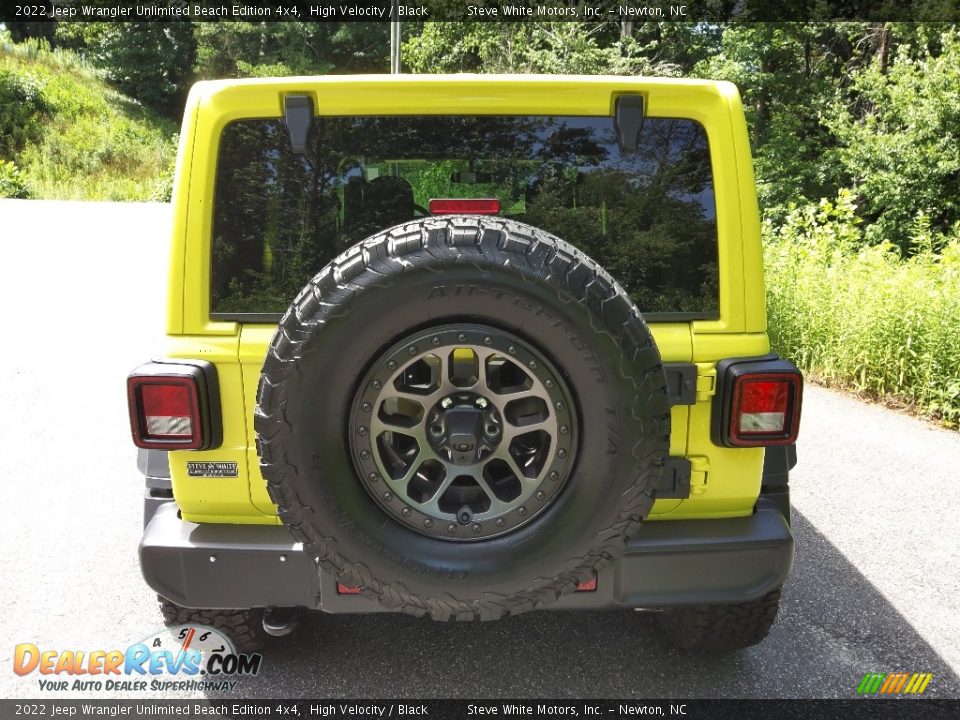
463	417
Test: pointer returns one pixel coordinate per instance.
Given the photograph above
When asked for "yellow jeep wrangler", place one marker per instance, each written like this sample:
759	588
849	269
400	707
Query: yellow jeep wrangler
464	347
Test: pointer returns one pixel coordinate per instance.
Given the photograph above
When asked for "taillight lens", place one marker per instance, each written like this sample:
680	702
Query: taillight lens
165	412
765	409
465	206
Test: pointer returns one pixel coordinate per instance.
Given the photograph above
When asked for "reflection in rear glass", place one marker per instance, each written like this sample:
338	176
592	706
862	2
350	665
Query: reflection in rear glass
648	216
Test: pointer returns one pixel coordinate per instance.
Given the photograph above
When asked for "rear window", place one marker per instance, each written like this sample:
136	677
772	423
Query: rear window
647	216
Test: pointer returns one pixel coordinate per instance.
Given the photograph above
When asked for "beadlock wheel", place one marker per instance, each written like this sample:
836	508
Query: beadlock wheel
463	432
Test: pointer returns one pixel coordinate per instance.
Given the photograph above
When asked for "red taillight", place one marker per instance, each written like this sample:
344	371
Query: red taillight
465	206
588	585
165	412
347	590
765	409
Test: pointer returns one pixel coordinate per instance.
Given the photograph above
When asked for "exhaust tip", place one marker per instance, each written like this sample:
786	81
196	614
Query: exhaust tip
281	621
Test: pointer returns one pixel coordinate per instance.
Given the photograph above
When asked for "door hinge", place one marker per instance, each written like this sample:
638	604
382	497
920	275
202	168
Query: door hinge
698	474
706	382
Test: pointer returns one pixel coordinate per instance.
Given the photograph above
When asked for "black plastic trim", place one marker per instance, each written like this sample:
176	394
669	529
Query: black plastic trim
628	121
668	562
252	566
681	383
153	463
779	495
675	480
298	117
778	461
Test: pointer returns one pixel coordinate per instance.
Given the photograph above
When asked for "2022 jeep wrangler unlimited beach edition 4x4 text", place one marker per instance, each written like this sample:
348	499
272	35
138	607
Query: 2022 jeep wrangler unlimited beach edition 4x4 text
399	378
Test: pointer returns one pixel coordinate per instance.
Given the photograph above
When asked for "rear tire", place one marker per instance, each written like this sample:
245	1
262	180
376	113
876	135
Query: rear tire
721	628
244	627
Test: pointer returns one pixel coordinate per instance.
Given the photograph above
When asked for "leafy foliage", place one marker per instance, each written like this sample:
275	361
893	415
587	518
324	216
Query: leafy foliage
12	183
73	136
861	316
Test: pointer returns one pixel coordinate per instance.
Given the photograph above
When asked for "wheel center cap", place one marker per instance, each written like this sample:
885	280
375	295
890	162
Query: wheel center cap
463	433
465	428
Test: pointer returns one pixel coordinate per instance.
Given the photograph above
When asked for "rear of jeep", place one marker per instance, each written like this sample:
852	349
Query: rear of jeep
465	347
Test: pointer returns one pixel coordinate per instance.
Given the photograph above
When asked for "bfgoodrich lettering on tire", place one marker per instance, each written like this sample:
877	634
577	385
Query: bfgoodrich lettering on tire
465	417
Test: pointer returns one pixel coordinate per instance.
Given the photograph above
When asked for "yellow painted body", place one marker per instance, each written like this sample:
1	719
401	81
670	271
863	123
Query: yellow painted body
725	481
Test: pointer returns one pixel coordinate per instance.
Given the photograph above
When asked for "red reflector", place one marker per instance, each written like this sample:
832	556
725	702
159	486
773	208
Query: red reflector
588	585
766	409
344	590
483	206
164	412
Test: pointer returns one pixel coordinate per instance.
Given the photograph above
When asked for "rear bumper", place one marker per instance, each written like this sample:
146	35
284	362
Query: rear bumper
668	563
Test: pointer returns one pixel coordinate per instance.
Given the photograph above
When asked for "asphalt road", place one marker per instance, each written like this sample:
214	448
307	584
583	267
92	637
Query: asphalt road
876	584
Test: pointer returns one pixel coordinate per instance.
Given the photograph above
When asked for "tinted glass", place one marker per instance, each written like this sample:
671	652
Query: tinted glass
647	215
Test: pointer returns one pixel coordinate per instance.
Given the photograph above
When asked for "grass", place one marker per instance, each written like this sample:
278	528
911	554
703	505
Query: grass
863	317
88	141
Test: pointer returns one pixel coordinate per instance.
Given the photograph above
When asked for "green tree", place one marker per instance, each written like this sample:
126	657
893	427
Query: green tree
898	135
150	61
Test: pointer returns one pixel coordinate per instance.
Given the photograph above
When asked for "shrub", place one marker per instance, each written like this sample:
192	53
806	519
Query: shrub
12	184
21	104
863	317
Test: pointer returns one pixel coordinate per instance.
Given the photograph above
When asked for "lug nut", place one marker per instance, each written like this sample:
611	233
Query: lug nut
512	350
561	453
499	522
482	402
283	558
548	383
476	527
446	403
435	340
362	430
488	340
365	454
559	406
521	510
412	350
554	475
461	337
392	365
374	477
213	558
405	512
451	528
539	494
365	406
564	430
428	523
436	430
376	384
388	495
532	364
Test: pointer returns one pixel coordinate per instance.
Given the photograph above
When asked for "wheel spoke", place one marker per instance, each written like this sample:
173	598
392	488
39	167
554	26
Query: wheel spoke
511	431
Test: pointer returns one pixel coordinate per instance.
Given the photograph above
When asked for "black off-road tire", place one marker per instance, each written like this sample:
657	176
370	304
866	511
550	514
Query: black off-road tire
721	628
438	272
244	627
